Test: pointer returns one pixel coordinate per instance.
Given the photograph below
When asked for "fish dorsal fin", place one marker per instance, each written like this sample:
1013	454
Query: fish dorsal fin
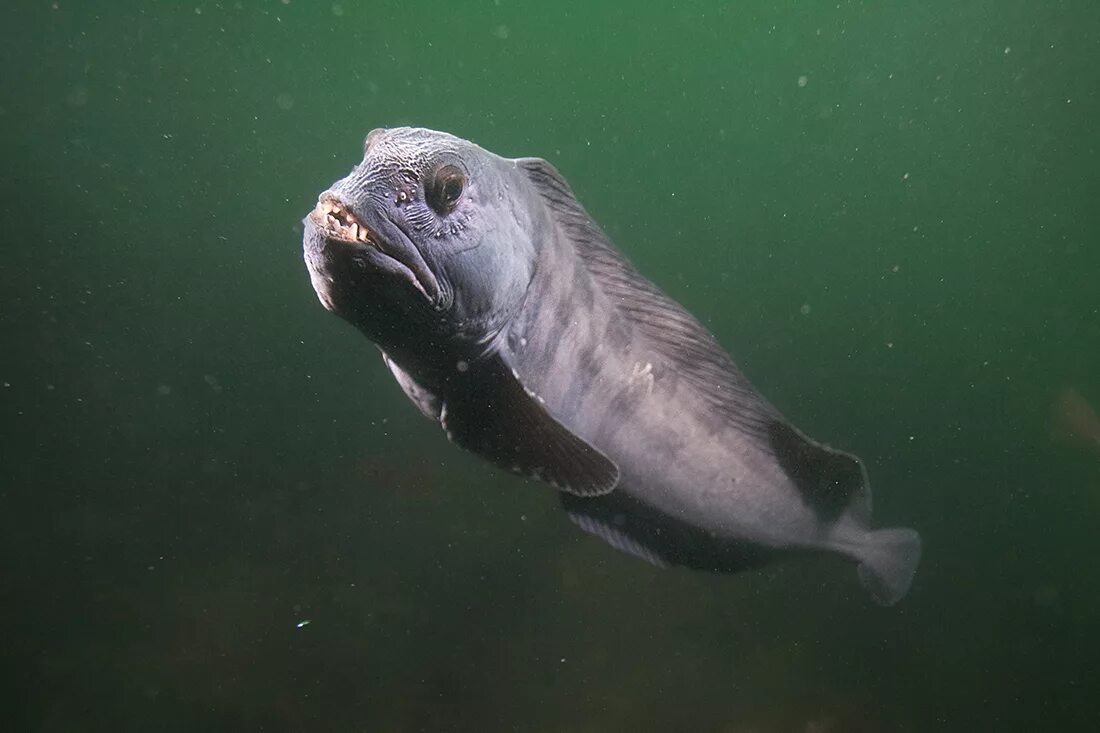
496	417
830	481
686	344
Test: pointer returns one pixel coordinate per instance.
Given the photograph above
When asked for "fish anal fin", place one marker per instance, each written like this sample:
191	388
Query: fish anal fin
615	535
496	417
662	539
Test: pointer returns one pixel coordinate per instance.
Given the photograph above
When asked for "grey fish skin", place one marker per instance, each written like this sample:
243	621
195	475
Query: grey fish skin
507	315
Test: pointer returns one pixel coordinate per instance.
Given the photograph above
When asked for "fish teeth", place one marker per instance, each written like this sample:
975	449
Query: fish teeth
341	222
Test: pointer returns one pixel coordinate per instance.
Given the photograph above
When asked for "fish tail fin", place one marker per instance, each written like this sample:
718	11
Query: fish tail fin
888	561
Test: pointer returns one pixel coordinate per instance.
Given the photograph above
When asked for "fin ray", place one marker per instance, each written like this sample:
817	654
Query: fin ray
888	562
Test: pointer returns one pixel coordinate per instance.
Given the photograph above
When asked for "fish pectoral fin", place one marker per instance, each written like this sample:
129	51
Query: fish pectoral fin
495	417
426	400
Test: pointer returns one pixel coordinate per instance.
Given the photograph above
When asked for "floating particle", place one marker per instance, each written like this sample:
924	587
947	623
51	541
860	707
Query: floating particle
302	624
805	309
337	9
803	80
164	390
501	32
284	101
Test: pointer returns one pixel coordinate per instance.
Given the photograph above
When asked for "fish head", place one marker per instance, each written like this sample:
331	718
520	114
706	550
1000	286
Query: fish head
429	231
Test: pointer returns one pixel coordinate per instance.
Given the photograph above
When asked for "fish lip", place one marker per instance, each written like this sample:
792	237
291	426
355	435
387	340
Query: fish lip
341	225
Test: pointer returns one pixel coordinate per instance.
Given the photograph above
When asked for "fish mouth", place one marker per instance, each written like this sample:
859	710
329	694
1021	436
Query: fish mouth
383	244
338	223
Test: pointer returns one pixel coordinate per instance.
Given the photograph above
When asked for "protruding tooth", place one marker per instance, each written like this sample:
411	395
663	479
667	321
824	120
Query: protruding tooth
354	230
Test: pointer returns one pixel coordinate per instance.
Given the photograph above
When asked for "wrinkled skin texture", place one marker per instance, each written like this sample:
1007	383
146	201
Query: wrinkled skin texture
506	314
485	249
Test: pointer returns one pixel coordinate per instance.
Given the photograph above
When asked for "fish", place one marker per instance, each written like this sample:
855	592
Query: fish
507	316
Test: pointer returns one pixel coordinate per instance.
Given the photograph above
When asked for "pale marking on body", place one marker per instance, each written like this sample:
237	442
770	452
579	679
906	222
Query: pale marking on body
642	375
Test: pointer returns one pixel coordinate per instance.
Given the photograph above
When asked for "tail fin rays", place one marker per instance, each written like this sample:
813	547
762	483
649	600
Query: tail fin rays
888	562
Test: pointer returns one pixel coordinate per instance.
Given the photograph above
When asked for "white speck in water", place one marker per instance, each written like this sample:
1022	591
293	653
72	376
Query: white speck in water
501	32
805	309
803	80
337	9
164	390
905	177
302	624
212	382
284	101
1007	49
895	268
462	365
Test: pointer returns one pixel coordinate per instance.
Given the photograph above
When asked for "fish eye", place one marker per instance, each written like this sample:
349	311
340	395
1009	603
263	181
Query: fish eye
445	189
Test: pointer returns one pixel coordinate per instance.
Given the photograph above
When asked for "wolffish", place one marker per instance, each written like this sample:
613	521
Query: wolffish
507	315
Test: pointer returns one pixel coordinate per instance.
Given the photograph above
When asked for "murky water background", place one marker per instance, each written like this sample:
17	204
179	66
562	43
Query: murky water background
218	512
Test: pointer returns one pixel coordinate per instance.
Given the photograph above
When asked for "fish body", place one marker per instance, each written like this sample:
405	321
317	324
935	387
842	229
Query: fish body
506	314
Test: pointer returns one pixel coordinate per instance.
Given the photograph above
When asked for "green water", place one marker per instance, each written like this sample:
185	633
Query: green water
888	212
